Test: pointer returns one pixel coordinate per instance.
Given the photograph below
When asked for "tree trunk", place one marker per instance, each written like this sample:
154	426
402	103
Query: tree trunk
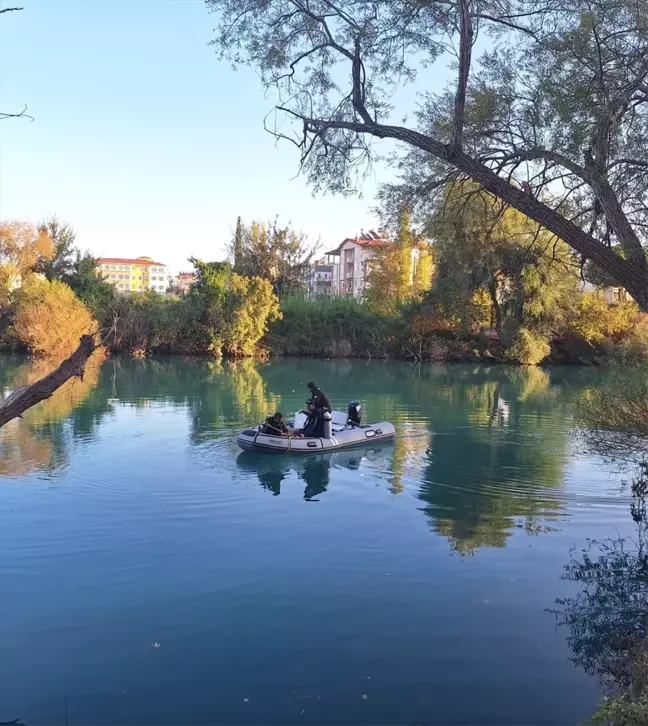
23	398
632	277
492	291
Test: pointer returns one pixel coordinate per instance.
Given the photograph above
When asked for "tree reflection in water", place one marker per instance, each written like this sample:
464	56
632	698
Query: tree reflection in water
36	442
499	451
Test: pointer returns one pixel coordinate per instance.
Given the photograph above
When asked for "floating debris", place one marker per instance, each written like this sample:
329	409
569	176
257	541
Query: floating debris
246	700
156	644
365	697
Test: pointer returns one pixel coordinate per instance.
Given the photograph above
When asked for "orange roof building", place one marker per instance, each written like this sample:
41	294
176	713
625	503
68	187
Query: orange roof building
138	274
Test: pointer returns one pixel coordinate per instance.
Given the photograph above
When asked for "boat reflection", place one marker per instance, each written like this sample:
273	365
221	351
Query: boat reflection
314	470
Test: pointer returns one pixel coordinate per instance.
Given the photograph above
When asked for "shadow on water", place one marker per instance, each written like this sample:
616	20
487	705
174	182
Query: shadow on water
313	470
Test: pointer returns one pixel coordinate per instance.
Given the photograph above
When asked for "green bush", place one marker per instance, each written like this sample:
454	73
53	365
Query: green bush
330	327
528	348
622	710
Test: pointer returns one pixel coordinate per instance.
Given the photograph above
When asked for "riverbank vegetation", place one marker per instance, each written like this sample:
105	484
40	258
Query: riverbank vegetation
492	286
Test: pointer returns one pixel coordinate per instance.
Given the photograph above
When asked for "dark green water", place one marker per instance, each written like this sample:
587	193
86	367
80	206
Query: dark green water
405	584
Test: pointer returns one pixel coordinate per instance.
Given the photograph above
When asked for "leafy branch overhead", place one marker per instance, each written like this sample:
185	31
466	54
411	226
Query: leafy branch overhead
552	117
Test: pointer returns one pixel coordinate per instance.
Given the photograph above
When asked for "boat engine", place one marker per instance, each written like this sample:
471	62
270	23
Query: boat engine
354	413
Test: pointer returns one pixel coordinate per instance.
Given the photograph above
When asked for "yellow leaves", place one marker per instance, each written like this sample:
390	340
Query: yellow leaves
50	319
250	306
22	245
595	320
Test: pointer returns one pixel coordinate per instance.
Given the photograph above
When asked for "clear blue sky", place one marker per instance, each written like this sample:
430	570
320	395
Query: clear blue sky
142	139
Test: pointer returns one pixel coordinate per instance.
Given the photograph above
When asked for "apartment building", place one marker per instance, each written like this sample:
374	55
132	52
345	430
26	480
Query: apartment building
351	261
137	274
320	281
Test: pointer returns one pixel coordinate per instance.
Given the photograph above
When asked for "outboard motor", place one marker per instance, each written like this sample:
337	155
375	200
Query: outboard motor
354	413
327	426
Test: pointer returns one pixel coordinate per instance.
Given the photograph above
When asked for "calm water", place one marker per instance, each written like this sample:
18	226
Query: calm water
153	573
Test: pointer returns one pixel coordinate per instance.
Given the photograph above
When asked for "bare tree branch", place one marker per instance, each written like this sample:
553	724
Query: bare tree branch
23	398
21	114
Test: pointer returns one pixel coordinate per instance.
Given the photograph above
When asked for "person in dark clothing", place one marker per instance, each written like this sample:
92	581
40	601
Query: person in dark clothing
314	425
274	425
320	399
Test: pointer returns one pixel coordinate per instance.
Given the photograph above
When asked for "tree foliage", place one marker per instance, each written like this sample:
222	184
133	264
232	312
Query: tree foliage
594	320
22	248
278	254
552	117
235	309
493	259
89	287
61	263
49	318
607	620
400	272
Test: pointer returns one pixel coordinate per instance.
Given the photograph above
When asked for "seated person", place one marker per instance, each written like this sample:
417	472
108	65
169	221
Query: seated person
314	423
274	425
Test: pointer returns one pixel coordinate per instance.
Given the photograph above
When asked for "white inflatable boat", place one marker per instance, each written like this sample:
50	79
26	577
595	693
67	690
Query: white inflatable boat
344	435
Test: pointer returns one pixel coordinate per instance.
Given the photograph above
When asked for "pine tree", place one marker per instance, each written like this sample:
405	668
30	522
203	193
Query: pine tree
238	245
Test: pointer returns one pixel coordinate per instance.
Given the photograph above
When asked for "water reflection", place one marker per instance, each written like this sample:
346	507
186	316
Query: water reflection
498	455
36	442
482	449
313	470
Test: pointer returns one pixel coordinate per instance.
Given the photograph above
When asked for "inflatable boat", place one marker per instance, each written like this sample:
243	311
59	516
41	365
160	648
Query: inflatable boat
341	431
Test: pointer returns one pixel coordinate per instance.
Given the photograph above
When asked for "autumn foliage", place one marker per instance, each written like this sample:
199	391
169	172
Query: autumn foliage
49	318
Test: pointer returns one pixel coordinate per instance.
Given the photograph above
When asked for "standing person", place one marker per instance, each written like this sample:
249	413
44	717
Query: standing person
320	399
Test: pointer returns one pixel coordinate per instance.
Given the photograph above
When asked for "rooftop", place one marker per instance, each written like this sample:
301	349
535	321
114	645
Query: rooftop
365	239
130	261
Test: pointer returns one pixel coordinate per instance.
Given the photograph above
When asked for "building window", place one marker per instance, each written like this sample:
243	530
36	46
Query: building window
114	277
113	267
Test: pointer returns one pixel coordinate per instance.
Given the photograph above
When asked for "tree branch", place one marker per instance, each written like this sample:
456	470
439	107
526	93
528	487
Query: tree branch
626	273
23	398
22	114
465	51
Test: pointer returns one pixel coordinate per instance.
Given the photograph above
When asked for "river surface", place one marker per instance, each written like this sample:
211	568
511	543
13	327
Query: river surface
152	573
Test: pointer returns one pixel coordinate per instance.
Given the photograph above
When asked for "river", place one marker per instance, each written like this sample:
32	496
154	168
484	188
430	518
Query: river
152	573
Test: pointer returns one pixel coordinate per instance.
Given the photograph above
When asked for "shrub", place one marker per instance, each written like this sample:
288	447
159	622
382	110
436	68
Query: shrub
528	348
49	318
249	306
633	349
330	327
594	319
